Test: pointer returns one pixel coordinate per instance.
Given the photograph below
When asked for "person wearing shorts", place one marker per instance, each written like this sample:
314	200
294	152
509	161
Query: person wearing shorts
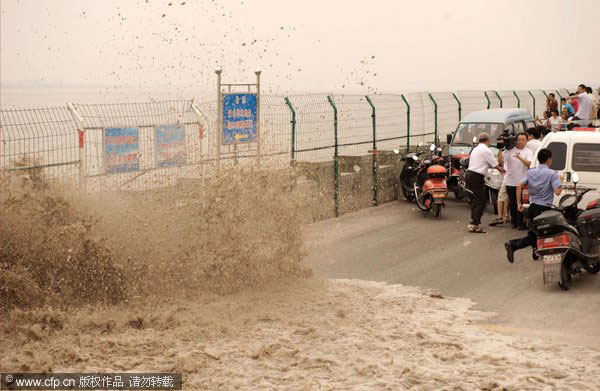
503	213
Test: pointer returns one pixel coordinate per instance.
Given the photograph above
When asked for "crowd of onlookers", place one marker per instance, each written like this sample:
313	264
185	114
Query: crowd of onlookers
579	110
582	105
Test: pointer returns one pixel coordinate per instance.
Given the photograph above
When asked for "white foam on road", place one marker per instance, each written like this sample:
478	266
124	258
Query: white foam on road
336	334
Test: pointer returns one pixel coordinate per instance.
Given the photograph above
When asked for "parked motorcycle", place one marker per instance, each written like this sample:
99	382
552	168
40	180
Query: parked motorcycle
453	176
430	188
569	238
408	175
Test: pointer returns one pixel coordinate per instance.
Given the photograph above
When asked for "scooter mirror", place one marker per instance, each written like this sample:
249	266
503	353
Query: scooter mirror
575	177
415	158
432	147
396	151
420	144
474	140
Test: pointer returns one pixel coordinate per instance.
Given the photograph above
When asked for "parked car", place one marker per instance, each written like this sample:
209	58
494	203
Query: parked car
493	122
575	151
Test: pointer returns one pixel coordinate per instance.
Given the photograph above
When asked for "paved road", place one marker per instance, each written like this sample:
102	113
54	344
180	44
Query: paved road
397	244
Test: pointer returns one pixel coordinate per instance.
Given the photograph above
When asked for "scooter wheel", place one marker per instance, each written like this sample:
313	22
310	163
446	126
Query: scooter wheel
408	195
564	287
565	276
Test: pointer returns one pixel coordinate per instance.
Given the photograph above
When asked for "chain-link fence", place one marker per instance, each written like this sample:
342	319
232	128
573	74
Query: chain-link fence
73	143
95	119
41	139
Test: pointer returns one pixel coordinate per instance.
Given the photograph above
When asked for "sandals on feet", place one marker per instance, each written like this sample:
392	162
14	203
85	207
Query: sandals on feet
475	229
496	222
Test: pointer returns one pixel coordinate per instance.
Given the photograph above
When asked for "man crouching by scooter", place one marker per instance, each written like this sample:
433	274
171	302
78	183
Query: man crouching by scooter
543	183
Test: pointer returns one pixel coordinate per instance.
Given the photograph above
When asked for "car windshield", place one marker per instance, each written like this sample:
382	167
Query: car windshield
465	133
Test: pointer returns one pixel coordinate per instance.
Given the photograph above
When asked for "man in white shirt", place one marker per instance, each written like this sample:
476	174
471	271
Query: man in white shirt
480	160
585	103
533	140
516	162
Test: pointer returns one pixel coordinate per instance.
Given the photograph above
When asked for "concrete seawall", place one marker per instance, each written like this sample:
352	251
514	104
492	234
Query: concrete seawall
356	183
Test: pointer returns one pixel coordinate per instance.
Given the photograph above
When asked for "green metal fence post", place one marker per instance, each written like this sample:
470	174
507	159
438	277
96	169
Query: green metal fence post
407	122
487	98
336	172
532	97
435	120
459	106
375	165
518	100
293	122
500	99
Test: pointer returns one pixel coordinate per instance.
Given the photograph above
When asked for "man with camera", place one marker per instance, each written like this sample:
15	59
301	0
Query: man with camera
543	183
517	159
482	158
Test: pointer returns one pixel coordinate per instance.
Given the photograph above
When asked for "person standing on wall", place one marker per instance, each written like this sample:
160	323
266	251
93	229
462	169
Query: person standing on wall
516	161
543	183
551	103
480	160
585	103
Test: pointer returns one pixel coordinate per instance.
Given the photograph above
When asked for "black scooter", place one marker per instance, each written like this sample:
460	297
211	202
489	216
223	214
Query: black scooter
408	175
569	238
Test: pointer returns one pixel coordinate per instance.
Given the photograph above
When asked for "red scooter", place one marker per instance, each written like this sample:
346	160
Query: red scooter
431	190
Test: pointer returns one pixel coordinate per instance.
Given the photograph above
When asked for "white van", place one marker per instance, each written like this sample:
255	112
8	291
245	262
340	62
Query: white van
575	151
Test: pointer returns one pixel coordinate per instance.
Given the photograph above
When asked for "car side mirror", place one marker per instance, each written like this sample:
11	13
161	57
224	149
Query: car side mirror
575	177
449	138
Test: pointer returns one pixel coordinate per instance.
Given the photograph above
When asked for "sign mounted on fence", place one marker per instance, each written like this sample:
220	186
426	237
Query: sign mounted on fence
239	118
170	146
121	150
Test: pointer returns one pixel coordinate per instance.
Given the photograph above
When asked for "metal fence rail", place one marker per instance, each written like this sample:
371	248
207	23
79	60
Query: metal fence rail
95	118
471	101
314	138
392	121
41	138
355	133
447	113
68	142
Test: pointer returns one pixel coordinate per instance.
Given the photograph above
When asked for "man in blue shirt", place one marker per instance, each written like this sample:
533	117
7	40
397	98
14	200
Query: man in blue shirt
543	184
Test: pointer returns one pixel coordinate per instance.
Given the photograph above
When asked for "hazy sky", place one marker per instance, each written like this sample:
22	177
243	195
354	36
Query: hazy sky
382	45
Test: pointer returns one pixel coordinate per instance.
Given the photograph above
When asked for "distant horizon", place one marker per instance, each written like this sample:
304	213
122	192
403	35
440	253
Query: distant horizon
30	84
300	45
